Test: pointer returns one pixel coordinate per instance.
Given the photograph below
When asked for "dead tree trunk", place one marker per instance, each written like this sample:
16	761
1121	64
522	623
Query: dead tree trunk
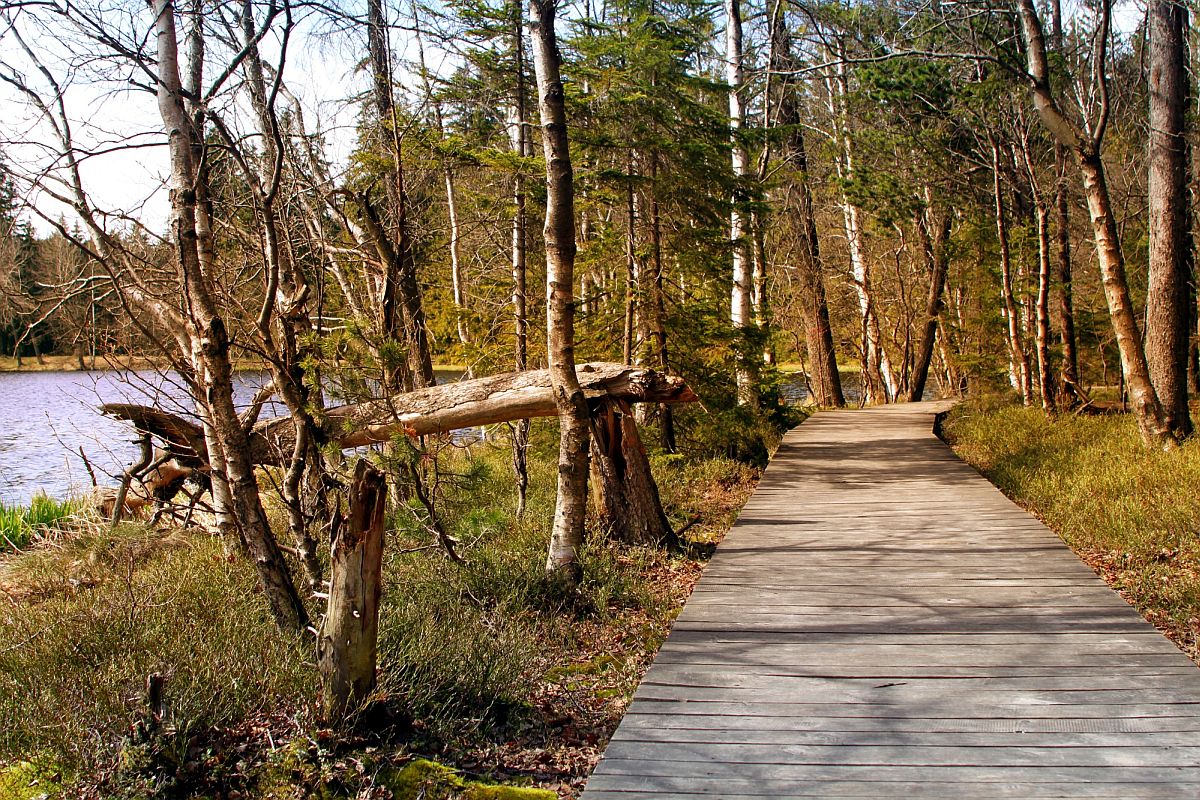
346	642
625	491
466	404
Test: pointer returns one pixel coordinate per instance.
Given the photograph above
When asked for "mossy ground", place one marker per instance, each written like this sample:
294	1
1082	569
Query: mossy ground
35	779
484	666
1130	512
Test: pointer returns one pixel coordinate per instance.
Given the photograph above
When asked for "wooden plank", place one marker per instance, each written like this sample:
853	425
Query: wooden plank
903	755
966	774
637	721
878	738
923	691
1065	673
621	786
1033	648
923	697
824	686
647	703
882	622
903	657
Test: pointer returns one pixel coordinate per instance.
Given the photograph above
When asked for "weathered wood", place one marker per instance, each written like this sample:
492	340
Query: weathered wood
437	409
624	488
869	787
346	642
882	622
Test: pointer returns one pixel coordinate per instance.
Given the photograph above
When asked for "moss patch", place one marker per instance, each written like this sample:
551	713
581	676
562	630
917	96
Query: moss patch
433	781
28	780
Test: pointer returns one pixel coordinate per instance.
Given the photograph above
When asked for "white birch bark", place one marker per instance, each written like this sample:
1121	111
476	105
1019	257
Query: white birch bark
741	310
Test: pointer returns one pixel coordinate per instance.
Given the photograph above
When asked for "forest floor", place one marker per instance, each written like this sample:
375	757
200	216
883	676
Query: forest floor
1132	514
486	673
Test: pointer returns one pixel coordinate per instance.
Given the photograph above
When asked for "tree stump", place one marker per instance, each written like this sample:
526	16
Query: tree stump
347	640
626	495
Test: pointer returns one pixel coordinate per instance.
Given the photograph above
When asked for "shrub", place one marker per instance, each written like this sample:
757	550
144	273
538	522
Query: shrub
76	656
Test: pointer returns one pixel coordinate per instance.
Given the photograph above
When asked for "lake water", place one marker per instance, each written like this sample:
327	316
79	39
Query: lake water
47	417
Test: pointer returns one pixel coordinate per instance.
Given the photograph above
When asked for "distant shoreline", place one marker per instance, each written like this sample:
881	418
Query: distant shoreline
105	363
111	363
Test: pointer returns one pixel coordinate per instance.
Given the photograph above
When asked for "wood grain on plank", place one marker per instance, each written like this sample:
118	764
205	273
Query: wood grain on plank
882	622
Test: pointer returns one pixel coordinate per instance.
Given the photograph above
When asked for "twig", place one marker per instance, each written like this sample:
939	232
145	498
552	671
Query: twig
88	466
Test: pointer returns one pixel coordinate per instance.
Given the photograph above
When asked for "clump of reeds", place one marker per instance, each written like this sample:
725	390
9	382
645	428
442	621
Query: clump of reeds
19	525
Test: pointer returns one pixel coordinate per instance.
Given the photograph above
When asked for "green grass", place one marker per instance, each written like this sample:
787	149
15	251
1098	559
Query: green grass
20	524
1132	513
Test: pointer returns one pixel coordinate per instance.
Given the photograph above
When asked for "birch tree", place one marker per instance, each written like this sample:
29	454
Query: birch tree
559	233
1084	141
741	310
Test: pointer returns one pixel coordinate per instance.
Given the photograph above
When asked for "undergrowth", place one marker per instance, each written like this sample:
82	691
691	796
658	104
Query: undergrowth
1130	512
483	663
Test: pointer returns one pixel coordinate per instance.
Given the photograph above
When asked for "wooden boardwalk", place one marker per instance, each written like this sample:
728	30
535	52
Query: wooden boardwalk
881	622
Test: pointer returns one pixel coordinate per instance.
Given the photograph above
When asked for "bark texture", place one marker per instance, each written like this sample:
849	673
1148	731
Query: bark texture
446	407
520	144
824	379
401	310
1018	358
741	308
559	234
348	637
205	339
626	494
938	261
1085	145
1072	393
1168	312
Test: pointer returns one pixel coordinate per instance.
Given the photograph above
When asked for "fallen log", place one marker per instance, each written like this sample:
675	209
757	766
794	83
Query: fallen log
437	409
467	404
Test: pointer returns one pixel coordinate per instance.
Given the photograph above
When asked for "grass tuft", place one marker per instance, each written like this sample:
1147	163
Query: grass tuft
76	654
19	525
